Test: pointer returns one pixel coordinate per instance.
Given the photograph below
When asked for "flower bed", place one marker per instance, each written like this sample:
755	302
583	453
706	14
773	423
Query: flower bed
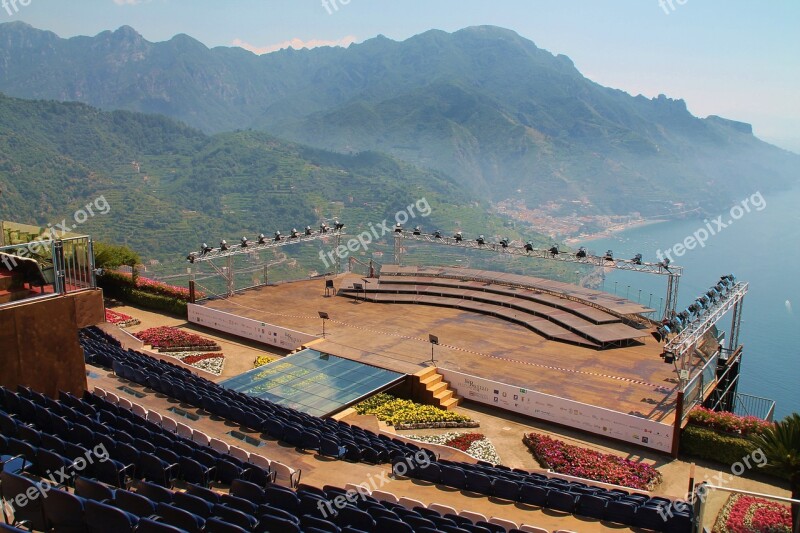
747	514
473	444
120	319
157	287
405	414
169	339
210	362
589	464
728	422
262	360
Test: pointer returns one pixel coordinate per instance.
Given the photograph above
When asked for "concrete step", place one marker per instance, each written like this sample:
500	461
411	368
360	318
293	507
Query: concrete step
426	372
437	388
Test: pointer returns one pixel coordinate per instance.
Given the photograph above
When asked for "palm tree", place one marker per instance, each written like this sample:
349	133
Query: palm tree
781	446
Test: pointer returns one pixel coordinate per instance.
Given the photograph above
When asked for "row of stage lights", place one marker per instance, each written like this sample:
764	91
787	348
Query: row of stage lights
263	239
697	309
553	250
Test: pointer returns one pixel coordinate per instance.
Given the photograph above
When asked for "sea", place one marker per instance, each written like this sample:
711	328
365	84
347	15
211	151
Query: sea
759	245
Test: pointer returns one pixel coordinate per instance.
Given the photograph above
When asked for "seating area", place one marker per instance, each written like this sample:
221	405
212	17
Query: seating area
116	470
611	505
327	436
555	318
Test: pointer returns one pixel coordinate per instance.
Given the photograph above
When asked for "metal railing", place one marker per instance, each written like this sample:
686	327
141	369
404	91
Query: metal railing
46	268
749	405
697	387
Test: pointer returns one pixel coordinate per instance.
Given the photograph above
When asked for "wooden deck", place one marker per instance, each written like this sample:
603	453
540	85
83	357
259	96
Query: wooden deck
631	380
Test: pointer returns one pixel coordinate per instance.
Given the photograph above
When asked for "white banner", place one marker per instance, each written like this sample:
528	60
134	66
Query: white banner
562	411
248	328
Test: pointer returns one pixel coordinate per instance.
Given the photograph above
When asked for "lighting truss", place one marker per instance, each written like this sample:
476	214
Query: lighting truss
253	246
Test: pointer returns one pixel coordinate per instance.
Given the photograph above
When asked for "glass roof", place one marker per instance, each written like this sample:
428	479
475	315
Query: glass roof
312	382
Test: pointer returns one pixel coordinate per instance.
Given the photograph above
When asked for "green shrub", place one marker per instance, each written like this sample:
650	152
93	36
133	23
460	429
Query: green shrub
158	303
714	446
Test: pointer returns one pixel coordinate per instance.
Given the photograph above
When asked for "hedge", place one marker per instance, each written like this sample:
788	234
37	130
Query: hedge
720	448
158	302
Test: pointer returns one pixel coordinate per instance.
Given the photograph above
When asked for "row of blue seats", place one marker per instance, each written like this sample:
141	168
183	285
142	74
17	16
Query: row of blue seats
329	437
136	447
616	506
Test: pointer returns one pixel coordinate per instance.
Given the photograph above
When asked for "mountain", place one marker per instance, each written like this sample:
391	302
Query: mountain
169	187
484	105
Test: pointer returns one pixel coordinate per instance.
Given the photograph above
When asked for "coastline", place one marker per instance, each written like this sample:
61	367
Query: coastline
612	230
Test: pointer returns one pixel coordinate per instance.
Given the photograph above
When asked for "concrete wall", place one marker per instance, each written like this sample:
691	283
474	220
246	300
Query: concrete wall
39	345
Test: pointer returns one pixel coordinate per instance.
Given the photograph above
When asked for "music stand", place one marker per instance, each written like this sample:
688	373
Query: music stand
324	316
434	340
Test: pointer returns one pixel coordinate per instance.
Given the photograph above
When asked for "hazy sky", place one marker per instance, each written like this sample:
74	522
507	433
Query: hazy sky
734	58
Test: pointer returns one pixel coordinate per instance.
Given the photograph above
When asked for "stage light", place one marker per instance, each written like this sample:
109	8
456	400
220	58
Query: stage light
277	236
661	332
223	245
553	250
308	230
581	253
417	230
694	308
398	228
721	289
480	240
189	257
684	315
437	234
702	302
676	325
504	242
529	246
204	249
294	234
458	237
669	357
323	228
665	264
609	256
262	239
338	225
637	259
712	295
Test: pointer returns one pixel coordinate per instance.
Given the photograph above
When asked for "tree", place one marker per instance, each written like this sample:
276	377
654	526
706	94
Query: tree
111	256
781	446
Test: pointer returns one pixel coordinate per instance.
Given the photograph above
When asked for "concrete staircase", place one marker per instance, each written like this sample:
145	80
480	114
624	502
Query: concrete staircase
9	293
432	389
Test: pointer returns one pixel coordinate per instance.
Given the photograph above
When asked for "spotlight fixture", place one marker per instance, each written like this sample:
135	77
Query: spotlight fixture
480	240
665	264
323	228
712	295
669	357
294	234
308	230
684	315
637	259
417	230
244	242
277	236
223	245
702	302
204	249
581	253
262	239
458	237
554	250
661	332
338	225
398	228
504	242
529	246
437	234
694	309
609	256
676	324
189	258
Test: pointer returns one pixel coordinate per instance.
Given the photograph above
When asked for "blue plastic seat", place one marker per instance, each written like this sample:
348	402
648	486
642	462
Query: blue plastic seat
532	494
180	518
102	518
64	511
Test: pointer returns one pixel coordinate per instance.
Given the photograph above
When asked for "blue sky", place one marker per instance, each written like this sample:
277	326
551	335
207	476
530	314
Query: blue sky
734	58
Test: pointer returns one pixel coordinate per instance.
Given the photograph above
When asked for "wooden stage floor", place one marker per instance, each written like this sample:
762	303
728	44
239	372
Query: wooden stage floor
632	380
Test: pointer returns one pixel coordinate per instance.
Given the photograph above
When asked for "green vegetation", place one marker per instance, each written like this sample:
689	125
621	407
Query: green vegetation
714	446
397	412
111	256
781	445
483	104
